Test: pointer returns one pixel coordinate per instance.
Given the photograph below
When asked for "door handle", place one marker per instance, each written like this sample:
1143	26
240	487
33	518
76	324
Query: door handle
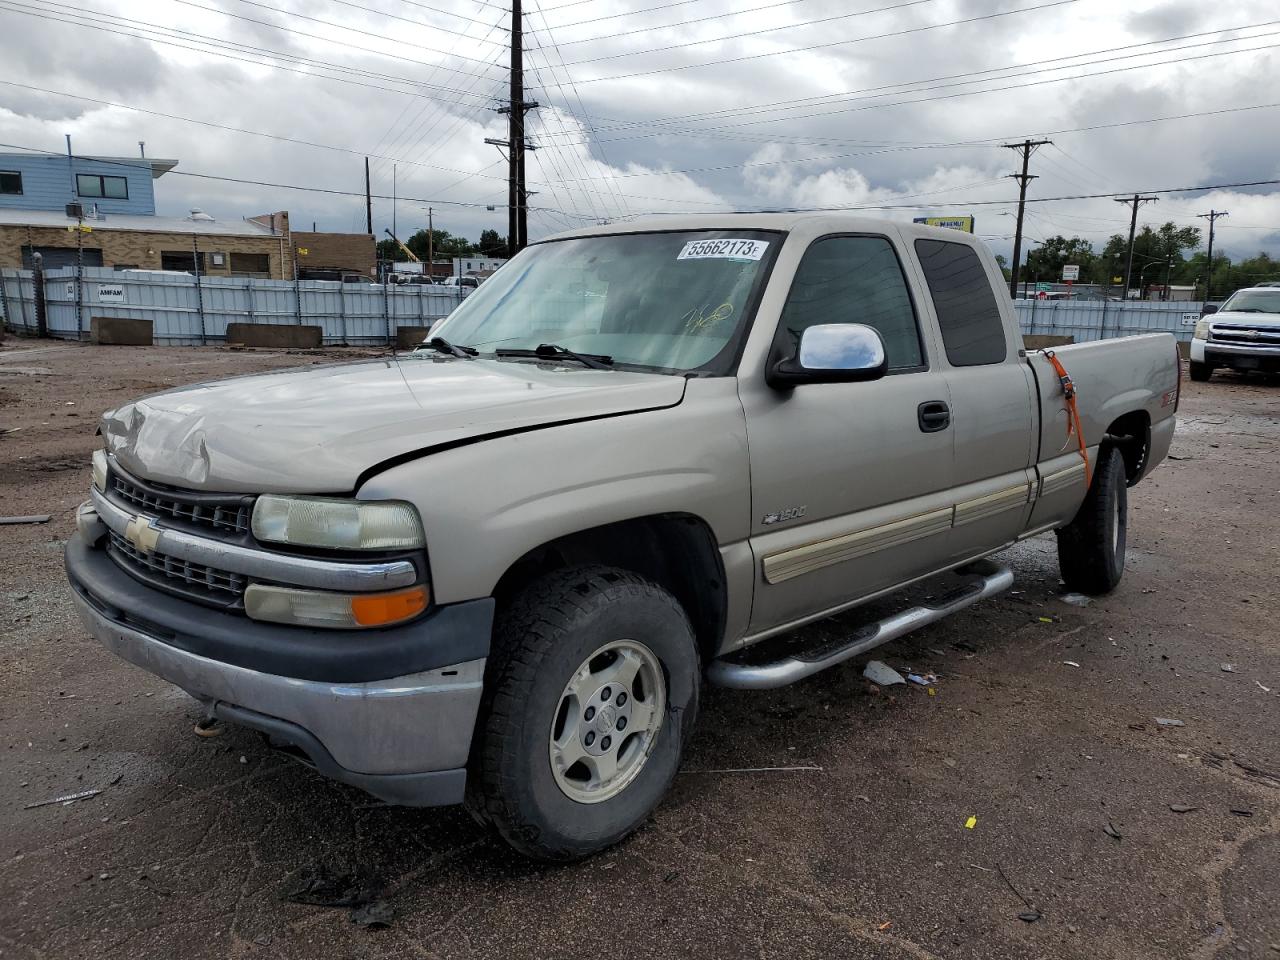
933	415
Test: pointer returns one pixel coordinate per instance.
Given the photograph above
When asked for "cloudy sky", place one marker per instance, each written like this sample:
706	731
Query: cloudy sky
653	106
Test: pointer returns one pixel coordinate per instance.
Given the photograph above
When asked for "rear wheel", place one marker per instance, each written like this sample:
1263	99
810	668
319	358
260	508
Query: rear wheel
590	693
1091	547
1201	371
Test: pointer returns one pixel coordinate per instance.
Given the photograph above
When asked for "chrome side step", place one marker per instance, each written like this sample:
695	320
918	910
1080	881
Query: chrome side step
989	579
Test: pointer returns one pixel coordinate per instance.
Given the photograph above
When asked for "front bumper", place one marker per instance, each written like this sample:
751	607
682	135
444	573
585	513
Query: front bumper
1236	356
401	734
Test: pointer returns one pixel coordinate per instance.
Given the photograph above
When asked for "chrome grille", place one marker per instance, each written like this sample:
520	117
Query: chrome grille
1246	336
231	515
179	576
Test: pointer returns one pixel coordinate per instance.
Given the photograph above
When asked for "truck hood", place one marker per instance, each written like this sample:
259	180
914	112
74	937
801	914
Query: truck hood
319	430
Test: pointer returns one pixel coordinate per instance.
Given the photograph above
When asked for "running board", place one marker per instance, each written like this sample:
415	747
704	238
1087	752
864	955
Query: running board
991	578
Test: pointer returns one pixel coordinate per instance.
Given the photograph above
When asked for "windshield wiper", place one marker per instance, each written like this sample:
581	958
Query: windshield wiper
596	361
441	345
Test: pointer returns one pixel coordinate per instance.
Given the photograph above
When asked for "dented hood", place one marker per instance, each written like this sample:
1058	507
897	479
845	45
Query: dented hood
318	430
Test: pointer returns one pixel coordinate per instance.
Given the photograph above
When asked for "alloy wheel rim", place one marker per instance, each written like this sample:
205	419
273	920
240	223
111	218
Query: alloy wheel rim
607	721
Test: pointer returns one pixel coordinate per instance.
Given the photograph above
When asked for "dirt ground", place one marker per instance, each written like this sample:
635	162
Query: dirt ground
861	852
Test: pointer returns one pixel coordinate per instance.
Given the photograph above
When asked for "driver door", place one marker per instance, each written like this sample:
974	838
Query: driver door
850	484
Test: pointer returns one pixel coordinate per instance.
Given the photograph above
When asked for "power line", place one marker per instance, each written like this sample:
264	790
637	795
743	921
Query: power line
329	23
818	46
708	131
777	106
421	23
264	183
735	36
220	46
222	126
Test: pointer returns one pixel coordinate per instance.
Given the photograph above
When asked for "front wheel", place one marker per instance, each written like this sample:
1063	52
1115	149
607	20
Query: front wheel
1201	372
1091	547
590	693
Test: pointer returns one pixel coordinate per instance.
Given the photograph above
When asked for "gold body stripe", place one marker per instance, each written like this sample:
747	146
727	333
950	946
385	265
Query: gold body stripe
796	561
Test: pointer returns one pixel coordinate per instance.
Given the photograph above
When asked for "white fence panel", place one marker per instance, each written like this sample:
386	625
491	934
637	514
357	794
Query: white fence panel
1104	319
187	310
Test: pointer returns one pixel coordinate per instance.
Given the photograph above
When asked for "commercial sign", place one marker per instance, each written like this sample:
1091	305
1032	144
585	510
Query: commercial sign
111	293
1070	272
964	223
1189	319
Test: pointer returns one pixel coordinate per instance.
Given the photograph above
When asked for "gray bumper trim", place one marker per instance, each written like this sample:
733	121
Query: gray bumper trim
438	788
405	725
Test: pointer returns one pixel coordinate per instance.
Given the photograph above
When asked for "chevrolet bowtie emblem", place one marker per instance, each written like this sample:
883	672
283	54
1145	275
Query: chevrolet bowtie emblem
142	533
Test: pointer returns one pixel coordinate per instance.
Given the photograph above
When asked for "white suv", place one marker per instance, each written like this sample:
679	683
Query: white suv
1243	334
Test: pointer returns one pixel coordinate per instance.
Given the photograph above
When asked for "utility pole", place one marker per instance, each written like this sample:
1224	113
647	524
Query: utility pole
515	145
1212	216
368	200
1023	178
431	245
1137	201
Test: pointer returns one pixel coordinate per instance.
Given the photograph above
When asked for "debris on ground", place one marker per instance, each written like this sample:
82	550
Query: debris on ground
68	799
807	767
1264	689
1070	663
1031	914
1076	599
209	727
373	915
971	823
1181	808
1228	668
34	518
1111	831
885	926
923	679
1167	722
1046	619
1241	812
321	885
882	675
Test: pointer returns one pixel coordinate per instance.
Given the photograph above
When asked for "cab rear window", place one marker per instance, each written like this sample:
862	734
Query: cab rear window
968	315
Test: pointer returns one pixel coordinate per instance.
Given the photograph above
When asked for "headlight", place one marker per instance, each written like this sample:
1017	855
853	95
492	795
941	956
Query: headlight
318	608
1202	330
337	524
100	470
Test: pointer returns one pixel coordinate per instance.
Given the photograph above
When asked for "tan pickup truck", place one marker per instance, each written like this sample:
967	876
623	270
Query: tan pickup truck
498	569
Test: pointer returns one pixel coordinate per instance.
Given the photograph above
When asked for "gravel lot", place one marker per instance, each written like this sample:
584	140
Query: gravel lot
189	847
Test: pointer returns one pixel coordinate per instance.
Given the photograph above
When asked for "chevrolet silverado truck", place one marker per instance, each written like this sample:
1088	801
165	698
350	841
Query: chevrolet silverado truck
1242	333
497	569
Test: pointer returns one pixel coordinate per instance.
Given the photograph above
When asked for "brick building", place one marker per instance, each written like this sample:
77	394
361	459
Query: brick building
231	248
335	256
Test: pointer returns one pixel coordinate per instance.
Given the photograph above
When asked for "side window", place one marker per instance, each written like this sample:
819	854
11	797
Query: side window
968	315
855	280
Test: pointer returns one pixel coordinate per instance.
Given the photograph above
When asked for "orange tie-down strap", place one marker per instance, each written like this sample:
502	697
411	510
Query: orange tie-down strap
1073	422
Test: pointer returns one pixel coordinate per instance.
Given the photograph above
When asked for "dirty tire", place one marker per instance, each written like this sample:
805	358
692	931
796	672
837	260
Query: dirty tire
1201	372
1091	547
540	639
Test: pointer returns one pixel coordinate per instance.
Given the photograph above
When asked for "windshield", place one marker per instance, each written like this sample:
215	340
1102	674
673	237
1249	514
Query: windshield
673	301
1254	301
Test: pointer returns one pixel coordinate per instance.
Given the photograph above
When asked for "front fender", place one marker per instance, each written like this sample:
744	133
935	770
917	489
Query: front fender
485	505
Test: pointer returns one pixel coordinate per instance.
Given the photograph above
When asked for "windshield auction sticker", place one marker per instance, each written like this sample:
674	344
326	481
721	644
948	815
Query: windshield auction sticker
728	249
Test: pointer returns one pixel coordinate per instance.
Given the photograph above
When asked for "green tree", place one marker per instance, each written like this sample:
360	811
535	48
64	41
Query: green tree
1046	261
388	249
1003	263
492	245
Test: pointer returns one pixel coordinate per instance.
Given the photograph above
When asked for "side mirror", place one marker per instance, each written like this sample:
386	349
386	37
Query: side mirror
832	353
1209	308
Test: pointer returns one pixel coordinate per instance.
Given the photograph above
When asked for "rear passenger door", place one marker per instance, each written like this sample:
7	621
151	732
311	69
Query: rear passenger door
991	398
849	494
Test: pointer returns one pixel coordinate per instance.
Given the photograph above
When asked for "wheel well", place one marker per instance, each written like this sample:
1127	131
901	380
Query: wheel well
676	551
1131	435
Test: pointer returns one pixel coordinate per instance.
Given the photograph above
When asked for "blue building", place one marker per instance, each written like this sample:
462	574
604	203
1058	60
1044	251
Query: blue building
115	185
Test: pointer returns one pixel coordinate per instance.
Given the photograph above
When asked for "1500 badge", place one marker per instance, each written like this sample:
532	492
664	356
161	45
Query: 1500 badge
791	513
